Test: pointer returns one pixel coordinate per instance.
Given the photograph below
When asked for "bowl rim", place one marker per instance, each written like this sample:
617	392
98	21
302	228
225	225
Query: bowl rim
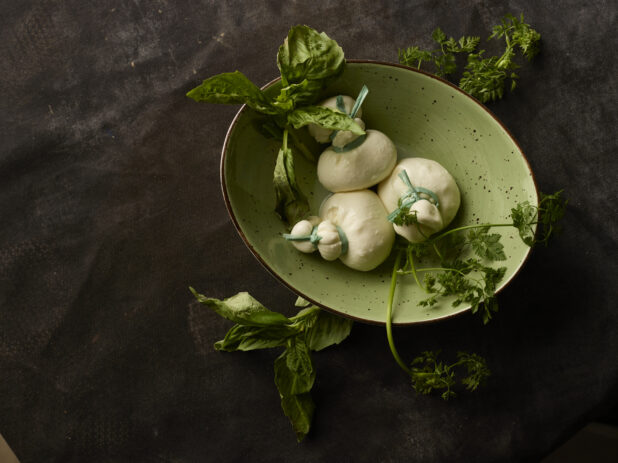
244	108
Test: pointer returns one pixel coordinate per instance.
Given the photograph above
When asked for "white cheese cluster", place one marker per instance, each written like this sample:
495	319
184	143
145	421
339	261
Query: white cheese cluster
355	225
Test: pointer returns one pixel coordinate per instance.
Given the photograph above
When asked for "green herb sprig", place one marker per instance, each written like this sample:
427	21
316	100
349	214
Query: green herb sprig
485	78
443	58
469	279
308	61
257	327
426	372
429	374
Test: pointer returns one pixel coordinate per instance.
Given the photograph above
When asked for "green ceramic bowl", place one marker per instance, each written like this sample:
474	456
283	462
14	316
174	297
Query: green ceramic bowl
424	116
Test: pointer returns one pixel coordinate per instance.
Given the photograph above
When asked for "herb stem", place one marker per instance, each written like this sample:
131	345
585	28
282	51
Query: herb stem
435	248
389	314
301	146
413	270
440	269
467	227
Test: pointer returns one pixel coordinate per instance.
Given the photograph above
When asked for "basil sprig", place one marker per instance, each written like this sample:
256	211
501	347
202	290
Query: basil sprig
257	327
308	61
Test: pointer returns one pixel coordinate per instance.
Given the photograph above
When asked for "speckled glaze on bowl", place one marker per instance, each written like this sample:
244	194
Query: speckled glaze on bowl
426	117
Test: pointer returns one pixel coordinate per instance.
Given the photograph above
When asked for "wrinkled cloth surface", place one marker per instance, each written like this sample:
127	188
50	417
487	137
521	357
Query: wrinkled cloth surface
111	207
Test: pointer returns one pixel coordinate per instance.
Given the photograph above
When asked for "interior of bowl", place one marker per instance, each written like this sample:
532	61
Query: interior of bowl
425	117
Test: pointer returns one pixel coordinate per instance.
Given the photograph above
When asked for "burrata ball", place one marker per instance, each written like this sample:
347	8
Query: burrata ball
363	219
429	175
358	168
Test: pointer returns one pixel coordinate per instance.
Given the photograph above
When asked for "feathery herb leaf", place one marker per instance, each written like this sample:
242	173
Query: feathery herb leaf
429	374
483	77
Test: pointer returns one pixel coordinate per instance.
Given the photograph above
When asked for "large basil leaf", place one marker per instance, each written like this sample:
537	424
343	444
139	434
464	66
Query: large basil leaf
243	309
291	205
299	409
328	329
232	88
245	338
308	54
294	372
294	377
324	117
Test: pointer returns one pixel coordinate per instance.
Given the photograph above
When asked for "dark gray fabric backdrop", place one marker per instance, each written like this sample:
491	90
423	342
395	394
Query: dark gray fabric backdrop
110	207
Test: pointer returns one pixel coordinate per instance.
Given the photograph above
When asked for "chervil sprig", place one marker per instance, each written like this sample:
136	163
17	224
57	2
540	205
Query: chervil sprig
426	372
429	374
443	57
484	77
468	280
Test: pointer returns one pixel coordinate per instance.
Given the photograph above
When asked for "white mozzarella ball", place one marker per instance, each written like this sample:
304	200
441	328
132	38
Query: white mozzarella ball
363	219
359	168
428	174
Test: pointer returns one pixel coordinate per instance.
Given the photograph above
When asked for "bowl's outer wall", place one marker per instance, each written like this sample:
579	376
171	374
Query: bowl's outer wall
425	117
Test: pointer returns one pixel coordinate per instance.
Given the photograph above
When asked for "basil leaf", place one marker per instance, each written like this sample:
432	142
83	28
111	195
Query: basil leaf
308	54
245	338
291	205
301	302
294	377
232	88
324	117
306	317
299	409
294	372
328	329
243	309
299	94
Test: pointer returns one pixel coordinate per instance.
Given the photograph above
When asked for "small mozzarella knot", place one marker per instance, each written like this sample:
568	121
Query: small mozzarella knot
304	235
330	245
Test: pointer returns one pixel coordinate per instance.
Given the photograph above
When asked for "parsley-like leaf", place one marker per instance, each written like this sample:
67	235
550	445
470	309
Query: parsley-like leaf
550	211
403	216
429	374
485	245
524	219
443	58
484	77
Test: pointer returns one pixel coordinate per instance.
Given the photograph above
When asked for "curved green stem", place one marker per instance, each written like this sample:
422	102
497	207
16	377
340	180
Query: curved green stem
413	270
435	248
301	146
285	139
389	315
467	227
